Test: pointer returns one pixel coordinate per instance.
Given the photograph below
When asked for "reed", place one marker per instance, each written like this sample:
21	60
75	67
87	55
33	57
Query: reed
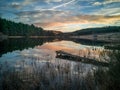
60	76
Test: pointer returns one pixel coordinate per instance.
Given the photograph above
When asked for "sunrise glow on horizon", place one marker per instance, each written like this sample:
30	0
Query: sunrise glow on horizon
62	15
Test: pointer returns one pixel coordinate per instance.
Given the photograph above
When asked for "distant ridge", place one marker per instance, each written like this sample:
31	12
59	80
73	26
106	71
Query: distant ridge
88	31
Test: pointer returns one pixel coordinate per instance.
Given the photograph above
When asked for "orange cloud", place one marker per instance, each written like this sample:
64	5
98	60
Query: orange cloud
71	21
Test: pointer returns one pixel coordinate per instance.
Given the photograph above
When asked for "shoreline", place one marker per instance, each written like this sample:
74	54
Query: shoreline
109	37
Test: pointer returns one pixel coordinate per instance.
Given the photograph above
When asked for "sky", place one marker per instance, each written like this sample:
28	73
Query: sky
62	15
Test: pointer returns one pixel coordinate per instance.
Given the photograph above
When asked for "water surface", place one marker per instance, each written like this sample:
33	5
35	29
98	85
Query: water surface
38	57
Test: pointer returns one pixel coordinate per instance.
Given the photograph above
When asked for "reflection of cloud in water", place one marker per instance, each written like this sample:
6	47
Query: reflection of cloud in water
40	54
39	64
38	58
26	57
70	44
67	46
74	48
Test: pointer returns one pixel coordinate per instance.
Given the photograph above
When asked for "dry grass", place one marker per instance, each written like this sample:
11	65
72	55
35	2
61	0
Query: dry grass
60	77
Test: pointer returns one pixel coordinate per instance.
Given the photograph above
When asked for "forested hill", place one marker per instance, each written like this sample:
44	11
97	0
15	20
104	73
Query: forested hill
102	30
11	28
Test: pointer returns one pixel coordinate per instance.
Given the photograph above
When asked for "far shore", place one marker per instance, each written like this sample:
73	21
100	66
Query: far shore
109	37
16	36
31	36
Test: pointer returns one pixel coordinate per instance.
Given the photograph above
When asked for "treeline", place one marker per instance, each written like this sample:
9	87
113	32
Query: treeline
11	28
88	31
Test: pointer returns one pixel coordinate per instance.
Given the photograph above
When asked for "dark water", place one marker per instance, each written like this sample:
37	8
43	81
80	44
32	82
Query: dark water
14	51
34	59
10	45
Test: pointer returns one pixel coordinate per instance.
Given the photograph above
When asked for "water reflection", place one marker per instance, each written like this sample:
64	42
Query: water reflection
38	63
34	59
12	44
41	54
22	43
73	48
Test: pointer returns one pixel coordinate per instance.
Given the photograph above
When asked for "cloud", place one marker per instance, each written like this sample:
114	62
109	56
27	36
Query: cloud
83	19
111	1
108	11
42	16
106	2
27	2
62	14
48	1
15	5
63	5
74	22
20	4
97	3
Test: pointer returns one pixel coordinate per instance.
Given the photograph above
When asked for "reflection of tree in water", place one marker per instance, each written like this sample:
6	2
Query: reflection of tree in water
87	41
21	43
